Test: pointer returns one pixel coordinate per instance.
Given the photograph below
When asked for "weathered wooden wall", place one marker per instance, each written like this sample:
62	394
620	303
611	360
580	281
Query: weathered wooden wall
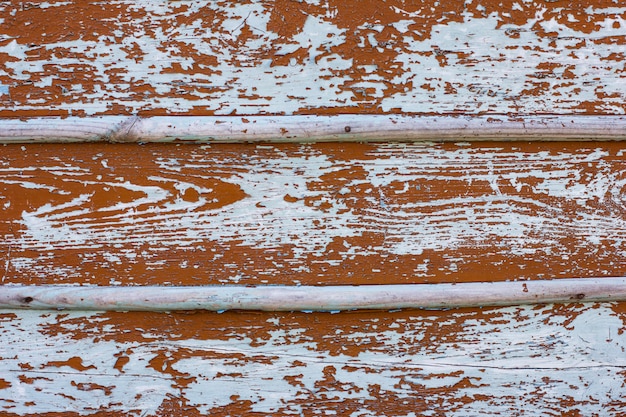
312	214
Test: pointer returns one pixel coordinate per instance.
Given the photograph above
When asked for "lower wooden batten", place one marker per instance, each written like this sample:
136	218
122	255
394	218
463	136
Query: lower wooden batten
311	298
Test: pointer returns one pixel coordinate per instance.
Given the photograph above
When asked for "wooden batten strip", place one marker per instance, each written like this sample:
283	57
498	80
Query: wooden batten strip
313	298
304	128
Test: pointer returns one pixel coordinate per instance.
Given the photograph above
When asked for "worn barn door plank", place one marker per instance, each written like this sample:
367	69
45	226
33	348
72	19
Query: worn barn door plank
506	361
311	214
198	57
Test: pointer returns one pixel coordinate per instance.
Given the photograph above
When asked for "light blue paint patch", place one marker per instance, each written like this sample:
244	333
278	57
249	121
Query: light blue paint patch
4	89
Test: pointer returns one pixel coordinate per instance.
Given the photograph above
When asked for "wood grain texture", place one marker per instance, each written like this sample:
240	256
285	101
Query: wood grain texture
253	57
311	214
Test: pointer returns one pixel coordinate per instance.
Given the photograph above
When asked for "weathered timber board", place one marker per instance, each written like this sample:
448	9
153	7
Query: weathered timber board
311	129
545	360
311	214
310	57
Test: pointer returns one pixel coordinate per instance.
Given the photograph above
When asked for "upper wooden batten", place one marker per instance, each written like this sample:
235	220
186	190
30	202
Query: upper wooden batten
227	129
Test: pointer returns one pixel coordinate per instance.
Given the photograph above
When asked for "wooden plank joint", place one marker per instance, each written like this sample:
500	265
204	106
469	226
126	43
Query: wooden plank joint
302	128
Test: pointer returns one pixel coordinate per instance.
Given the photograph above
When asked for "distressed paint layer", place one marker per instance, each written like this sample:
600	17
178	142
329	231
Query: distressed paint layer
311	214
515	361
285	57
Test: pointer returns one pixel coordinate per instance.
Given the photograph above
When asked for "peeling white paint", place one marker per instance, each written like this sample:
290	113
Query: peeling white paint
518	357
280	205
489	70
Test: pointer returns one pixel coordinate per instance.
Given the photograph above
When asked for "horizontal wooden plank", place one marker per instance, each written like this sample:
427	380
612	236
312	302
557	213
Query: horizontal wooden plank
195	57
310	214
522	361
317	128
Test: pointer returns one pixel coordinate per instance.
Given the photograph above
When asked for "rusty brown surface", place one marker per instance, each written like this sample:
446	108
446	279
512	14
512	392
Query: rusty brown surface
312	214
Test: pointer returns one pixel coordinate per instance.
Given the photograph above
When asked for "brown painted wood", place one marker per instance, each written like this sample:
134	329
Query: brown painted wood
310	214
316	214
283	57
519	361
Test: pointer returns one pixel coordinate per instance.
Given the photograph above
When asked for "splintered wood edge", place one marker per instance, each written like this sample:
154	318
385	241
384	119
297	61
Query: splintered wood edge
347	128
312	298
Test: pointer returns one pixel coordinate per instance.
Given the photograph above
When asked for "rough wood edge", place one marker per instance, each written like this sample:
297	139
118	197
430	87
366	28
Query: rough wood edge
348	128
312	298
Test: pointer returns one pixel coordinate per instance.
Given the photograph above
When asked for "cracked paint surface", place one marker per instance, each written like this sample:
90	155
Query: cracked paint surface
311	57
514	360
130	214
310	214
